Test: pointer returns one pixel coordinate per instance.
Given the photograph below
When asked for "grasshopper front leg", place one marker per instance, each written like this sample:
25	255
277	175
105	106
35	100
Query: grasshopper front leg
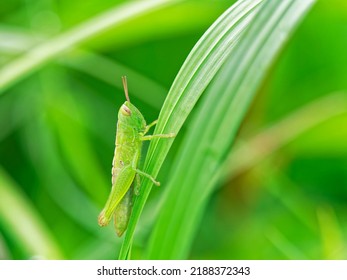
150	137
149	126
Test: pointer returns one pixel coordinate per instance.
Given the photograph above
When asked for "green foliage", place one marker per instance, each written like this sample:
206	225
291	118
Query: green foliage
214	127
279	192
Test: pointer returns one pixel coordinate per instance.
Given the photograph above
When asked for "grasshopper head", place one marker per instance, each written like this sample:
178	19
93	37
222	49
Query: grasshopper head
130	115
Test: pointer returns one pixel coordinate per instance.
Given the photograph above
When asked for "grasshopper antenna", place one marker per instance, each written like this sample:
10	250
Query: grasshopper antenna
125	86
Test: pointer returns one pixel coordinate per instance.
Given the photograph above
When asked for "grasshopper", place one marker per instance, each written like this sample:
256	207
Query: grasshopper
131	132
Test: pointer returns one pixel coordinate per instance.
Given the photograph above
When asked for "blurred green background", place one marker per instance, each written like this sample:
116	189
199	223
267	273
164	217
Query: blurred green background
285	196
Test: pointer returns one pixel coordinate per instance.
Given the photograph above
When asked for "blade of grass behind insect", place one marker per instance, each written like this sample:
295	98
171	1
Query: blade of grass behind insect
4	250
169	18
325	233
214	127
253	150
331	234
289	250
41	54
201	65
24	223
14	40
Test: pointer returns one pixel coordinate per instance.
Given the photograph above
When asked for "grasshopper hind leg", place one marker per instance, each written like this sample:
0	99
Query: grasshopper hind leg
123	211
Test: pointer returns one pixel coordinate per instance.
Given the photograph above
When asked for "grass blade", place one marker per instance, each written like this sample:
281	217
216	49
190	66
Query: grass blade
289	250
331	234
41	54
200	67
215	124
249	153
23	222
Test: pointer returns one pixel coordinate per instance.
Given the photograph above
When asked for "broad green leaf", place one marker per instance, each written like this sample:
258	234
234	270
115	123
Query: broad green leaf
215	124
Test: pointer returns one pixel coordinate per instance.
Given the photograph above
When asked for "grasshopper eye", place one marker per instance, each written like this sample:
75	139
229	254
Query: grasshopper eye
125	110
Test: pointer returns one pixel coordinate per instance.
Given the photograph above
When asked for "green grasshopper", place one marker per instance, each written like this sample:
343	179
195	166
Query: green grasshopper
131	132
